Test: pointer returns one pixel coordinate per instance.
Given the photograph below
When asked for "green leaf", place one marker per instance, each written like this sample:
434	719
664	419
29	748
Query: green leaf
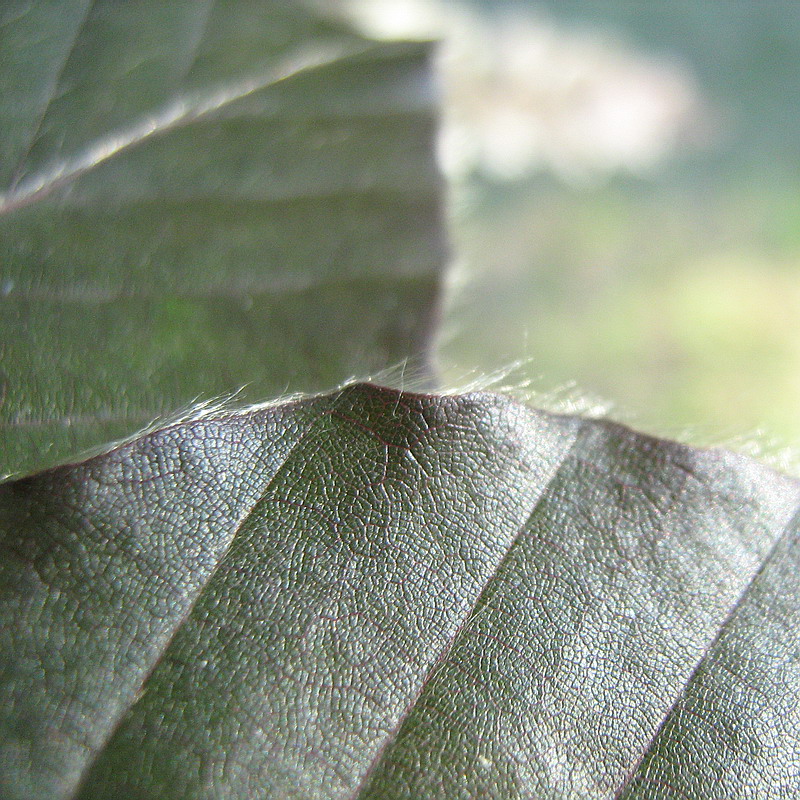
199	197
376	594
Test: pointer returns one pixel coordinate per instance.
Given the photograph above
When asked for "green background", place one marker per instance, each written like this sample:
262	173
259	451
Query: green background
676	297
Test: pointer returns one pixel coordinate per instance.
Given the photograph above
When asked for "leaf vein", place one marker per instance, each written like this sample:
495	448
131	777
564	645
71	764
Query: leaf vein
726	623
181	111
140	692
443	656
17	174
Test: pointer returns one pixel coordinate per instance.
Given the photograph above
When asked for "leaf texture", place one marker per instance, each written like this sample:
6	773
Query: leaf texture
378	594
197	197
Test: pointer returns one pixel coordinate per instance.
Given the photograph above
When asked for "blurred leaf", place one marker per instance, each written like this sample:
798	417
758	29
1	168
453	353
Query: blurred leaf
202	196
374	594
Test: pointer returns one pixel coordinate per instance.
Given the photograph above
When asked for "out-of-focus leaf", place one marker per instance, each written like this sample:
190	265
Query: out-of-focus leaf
383	595
199	196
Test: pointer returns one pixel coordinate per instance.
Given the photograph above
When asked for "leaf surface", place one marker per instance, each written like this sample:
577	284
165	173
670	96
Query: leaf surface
376	594
197	197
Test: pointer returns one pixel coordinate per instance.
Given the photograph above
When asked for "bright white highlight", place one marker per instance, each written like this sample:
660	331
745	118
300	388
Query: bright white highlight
181	111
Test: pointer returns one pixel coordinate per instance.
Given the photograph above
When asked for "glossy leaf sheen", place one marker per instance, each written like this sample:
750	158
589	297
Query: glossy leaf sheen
374	594
197	197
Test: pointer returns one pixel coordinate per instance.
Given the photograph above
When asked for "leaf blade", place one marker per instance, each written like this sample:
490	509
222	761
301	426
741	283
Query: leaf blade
253	188
735	728
594	629
315	640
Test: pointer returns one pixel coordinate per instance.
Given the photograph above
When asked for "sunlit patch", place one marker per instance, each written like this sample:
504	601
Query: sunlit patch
521	94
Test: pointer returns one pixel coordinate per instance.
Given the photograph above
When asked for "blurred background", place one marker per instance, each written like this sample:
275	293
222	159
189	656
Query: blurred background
624	202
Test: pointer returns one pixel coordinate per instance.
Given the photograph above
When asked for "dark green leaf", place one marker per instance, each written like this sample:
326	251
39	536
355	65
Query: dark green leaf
198	197
374	594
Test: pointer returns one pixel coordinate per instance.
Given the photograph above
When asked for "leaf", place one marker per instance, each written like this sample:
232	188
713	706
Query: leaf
376	594
201	197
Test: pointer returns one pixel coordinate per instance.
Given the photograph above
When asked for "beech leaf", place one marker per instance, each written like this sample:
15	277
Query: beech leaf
201	197
377	594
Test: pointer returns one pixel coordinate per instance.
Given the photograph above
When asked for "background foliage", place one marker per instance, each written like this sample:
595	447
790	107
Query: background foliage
671	291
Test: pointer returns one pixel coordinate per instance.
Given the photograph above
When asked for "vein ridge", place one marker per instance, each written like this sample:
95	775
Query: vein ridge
180	111
724	625
441	659
51	96
202	30
237	526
